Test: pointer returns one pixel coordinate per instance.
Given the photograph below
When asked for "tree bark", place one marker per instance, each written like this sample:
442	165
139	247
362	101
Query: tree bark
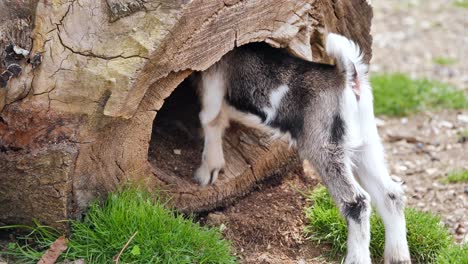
82	116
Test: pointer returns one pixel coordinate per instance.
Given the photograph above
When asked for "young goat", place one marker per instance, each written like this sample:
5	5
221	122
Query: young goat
326	111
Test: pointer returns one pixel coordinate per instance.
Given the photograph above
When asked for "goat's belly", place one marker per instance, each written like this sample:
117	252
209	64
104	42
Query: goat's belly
257	122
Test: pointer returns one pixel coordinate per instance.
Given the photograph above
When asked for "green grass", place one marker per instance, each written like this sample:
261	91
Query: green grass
163	236
427	238
399	95
456	177
461	3
444	61
454	254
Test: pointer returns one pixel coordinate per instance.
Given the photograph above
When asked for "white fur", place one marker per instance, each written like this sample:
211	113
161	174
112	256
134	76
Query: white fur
247	119
359	114
373	174
214	121
275	99
358	232
213	93
347	53
364	145
358	243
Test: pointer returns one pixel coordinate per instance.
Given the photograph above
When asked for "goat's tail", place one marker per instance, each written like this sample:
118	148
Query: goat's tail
357	107
348	57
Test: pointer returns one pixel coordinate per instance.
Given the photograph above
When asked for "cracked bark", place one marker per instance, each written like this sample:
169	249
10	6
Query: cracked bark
83	118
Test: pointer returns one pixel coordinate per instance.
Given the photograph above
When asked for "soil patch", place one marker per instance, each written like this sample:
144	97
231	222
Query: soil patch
267	226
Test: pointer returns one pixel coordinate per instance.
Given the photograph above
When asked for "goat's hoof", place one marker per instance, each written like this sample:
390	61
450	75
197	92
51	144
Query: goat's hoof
397	261
205	175
398	254
358	259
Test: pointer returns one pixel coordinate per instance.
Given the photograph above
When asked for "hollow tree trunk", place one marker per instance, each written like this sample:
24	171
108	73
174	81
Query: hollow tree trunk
88	111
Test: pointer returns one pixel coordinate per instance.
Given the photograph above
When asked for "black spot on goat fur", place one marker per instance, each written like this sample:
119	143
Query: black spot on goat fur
337	130
246	107
392	196
354	210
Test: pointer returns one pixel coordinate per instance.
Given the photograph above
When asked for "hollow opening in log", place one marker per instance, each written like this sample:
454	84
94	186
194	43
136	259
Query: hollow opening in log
176	147
176	140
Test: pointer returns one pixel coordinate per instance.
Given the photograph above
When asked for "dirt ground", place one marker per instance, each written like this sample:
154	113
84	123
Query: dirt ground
422	150
267	226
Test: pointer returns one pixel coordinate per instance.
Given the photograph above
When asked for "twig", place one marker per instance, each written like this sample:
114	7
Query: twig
116	259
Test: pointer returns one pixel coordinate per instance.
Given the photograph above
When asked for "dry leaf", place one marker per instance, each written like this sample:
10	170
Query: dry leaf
52	254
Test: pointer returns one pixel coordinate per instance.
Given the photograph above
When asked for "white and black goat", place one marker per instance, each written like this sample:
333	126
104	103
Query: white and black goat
324	110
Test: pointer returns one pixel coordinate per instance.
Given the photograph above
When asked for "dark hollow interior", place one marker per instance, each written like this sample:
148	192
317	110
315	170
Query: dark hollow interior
177	128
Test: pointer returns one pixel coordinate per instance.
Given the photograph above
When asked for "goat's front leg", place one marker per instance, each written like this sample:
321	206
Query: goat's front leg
334	167
213	157
388	197
214	120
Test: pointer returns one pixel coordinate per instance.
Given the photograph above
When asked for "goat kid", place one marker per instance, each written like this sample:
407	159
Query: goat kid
324	110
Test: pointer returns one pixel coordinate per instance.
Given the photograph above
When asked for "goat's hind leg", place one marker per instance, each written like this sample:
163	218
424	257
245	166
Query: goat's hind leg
214	121
353	202
387	196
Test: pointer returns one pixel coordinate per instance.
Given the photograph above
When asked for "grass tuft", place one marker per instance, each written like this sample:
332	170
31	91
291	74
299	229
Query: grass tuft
444	61
399	95
456	177
454	254
427	238
161	235
461	3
